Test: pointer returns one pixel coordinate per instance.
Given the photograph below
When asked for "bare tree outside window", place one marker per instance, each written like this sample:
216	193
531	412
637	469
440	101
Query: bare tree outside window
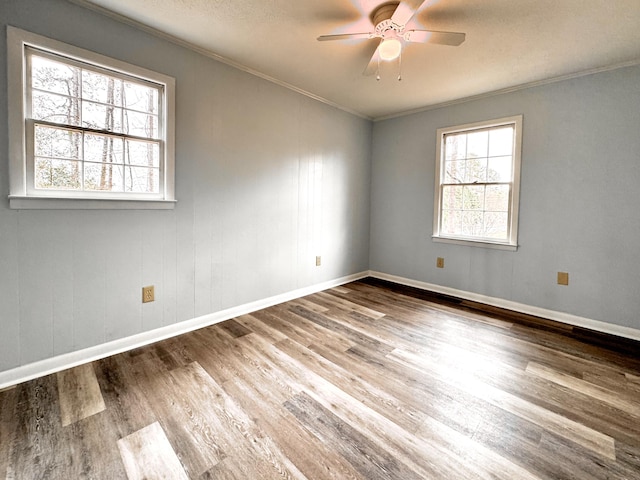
93	130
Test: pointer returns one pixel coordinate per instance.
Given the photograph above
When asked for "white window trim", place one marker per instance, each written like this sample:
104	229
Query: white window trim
512	241
19	198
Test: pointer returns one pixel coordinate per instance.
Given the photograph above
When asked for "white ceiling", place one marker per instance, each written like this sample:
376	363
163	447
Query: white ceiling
509	43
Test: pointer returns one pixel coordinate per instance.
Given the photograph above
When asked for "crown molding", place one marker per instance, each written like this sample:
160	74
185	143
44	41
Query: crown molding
210	54
515	88
214	56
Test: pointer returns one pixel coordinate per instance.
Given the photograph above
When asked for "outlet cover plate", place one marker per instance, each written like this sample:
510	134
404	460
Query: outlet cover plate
148	294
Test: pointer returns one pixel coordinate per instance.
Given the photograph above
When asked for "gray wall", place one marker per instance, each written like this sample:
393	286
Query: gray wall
266	179
579	201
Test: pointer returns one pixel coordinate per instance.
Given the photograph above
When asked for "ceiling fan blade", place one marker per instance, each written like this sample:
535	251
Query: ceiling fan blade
345	36
405	11
430	36
372	67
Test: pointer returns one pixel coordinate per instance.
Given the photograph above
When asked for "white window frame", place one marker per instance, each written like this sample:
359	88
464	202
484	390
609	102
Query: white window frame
511	243
21	192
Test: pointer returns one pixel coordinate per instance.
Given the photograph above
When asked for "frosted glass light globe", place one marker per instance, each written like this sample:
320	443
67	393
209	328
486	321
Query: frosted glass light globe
389	48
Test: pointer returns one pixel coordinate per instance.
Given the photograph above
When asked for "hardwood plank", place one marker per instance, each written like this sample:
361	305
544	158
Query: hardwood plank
303	302
211	349
372	461
358	336
79	392
85	442
180	418
340	289
262	329
299	377
615	381
599	393
346	305
396	303
580	434
35	447
8	400
234	328
565	459
350	378
173	352
128	407
427	396
231	427
483	461
147	453
432	458
315	459
633	378
305	331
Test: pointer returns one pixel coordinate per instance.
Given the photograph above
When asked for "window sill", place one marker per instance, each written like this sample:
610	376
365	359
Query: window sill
476	243
17	202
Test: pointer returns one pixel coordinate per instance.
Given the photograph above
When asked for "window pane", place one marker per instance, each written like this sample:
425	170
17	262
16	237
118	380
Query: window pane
51	173
452	197
501	142
57	142
142	153
141	98
473	197
101	117
499	169
477	144
142	180
141	124
55	108
54	76
455	147
451	222
495	225
472	224
454	172
476	170
101	88
103	149
104	177
497	198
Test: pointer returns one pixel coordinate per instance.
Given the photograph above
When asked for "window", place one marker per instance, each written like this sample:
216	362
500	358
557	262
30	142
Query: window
477	183
86	131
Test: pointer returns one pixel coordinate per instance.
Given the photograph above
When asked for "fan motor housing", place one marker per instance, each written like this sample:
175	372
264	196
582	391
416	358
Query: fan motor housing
381	18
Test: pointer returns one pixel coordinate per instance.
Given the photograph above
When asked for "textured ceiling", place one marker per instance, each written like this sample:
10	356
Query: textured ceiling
509	43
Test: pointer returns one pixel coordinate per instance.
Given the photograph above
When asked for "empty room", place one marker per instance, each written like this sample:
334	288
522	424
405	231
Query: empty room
343	239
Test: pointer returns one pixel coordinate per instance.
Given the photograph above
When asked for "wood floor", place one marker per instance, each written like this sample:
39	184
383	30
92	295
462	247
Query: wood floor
365	381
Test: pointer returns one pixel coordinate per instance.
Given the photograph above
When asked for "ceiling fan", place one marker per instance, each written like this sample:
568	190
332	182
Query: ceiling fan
390	20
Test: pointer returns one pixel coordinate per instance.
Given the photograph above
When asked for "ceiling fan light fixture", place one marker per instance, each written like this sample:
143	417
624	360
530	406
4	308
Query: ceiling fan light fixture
390	49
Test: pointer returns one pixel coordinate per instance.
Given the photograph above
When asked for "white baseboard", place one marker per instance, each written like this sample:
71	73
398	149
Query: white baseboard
574	320
41	368
72	359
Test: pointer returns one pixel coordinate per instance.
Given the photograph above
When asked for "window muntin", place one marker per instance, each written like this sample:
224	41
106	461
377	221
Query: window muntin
85	130
477	182
92	130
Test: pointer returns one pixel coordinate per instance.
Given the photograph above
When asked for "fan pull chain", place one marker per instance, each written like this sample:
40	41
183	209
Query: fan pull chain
378	70
400	66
